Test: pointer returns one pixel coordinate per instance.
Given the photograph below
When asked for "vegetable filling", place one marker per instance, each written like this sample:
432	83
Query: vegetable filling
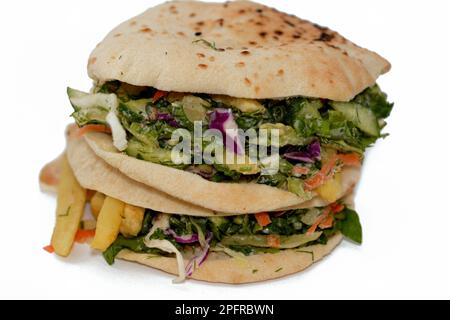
246	234
317	137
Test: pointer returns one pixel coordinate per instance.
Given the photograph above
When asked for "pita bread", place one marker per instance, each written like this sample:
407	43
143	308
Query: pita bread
85	162
231	198
219	267
49	176
94	174
224	269
243	49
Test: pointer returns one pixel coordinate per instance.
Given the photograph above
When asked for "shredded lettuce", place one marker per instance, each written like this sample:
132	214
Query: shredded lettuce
295	185
350	225
232	253
376	100
118	132
90	108
160	221
168	247
263	241
201	235
287	134
143	127
237	236
135	244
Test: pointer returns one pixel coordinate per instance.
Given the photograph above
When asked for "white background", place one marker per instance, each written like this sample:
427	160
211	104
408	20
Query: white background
402	198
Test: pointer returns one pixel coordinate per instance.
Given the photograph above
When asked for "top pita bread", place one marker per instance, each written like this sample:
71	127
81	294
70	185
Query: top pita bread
260	53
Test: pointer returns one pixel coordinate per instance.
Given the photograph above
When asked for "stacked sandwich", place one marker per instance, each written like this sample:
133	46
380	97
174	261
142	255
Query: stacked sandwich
183	68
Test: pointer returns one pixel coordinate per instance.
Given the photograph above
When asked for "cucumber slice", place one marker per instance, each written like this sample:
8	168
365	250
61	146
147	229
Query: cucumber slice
98	108
83	100
91	108
194	108
218	221
262	241
361	117
244	105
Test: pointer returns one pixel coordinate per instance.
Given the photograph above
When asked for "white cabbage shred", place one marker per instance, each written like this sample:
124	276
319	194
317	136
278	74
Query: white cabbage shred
118	132
167	246
161	221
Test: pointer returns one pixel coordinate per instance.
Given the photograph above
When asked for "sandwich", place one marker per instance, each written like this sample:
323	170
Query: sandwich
220	142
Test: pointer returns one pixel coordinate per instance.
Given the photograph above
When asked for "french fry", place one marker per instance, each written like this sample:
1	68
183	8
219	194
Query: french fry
131	220
69	211
97	203
108	223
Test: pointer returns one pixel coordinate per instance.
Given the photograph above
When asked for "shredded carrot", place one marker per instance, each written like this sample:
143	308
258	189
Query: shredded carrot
327	171
336	207
315	181
263	219
320	177
300	170
327	222
49	248
350	159
320	219
159	94
273	241
83	235
90	128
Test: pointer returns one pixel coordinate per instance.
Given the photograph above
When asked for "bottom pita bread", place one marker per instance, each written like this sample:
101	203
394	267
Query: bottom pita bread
222	268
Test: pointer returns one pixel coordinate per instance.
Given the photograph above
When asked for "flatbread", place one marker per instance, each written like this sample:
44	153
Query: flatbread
130	191
231	198
94	174
349	178
221	268
243	49
49	176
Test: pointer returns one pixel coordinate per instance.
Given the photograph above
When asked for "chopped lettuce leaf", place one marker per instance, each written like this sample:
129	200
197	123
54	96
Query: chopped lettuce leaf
311	216
135	244
232	253
201	235
376	100
160	221
295	185
360	116
142	151
263	241
350	226
90	108
143	127
287	134
243	105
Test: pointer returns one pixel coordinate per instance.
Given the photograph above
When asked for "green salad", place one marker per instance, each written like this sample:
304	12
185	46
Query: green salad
243	234
312	132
